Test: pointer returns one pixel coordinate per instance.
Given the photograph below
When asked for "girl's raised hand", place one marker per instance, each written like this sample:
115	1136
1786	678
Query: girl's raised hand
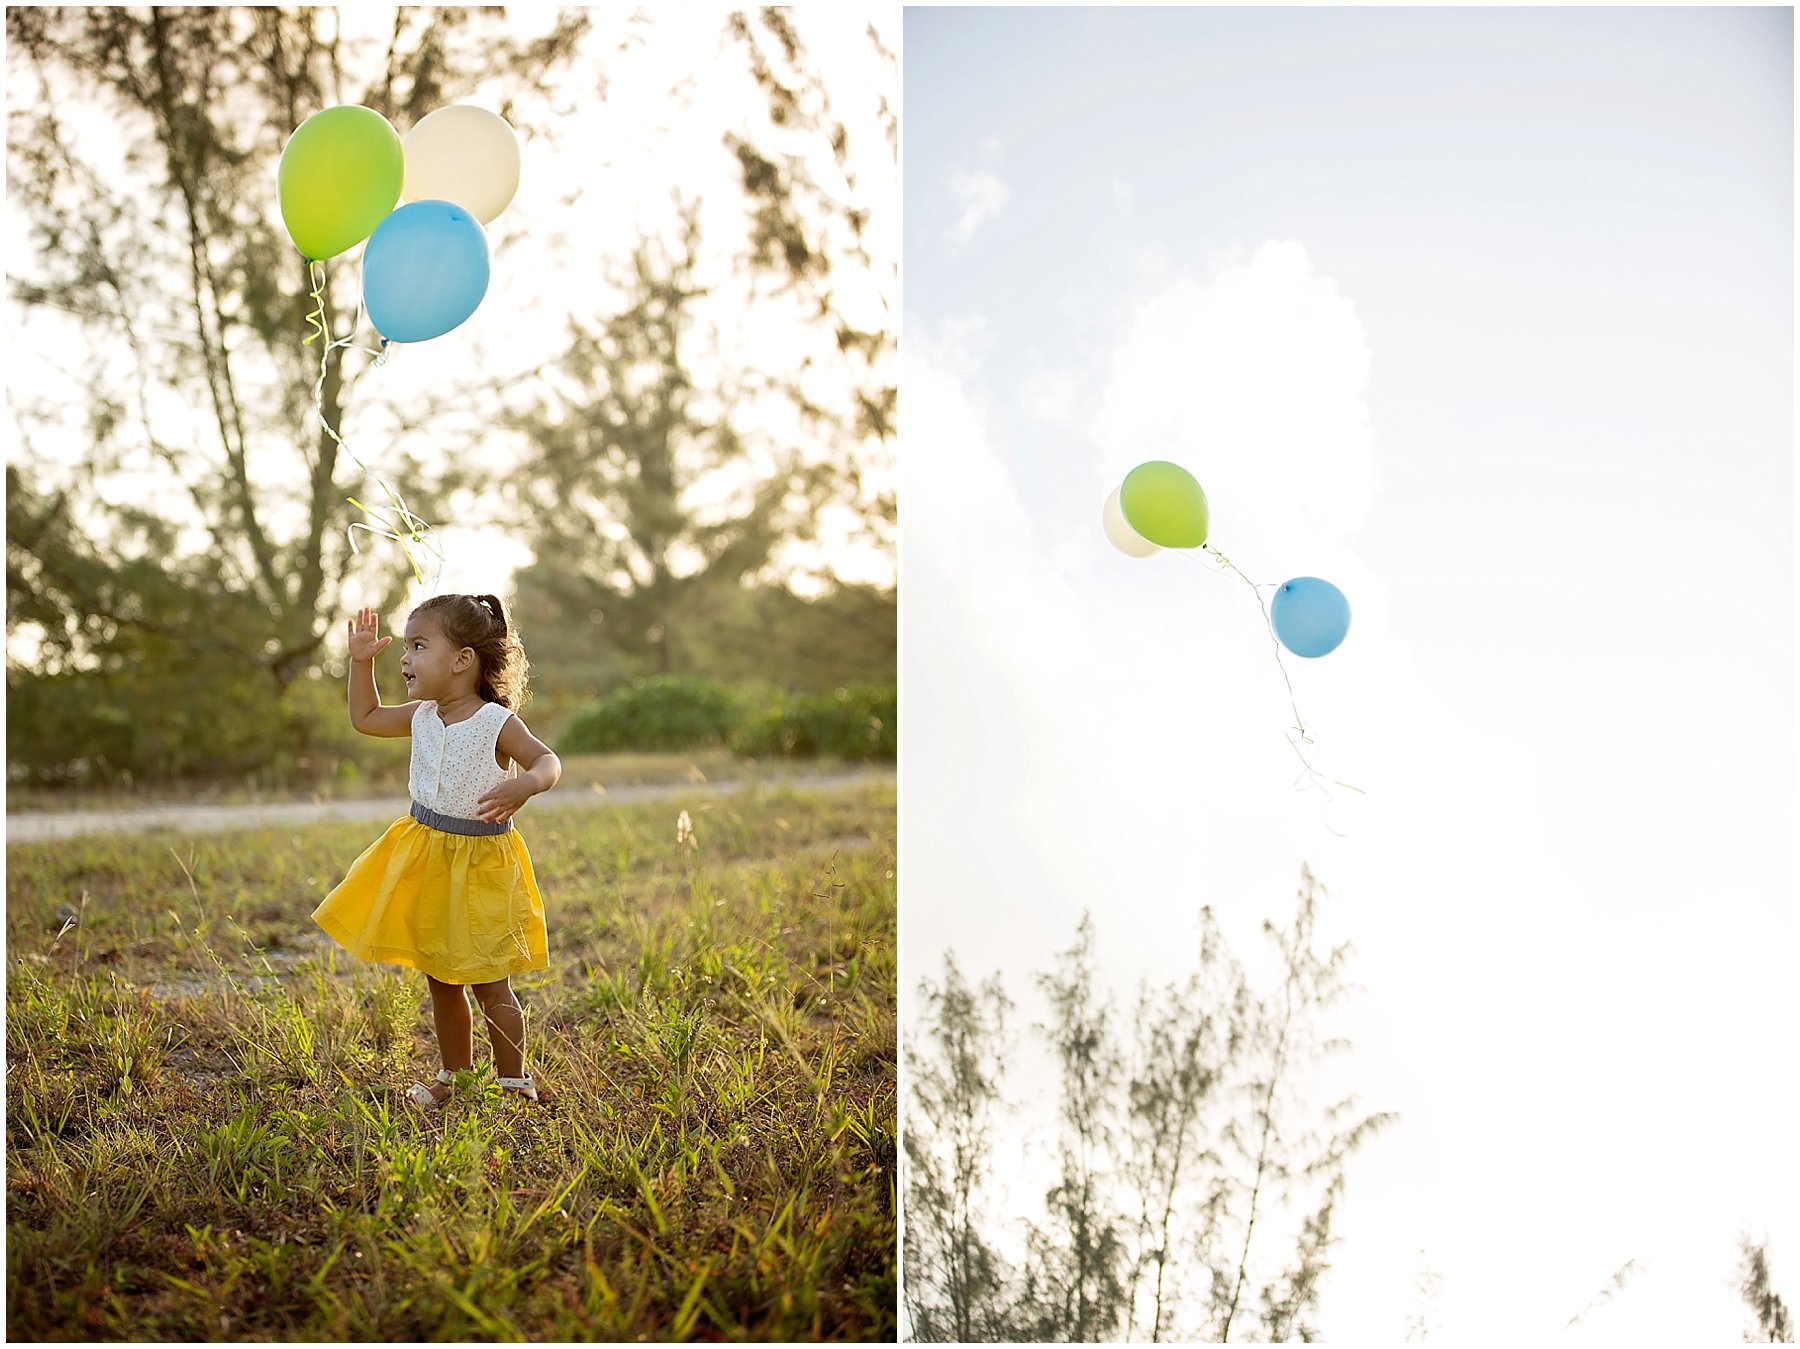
364	645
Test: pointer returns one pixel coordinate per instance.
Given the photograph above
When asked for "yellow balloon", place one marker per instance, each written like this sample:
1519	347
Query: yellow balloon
464	155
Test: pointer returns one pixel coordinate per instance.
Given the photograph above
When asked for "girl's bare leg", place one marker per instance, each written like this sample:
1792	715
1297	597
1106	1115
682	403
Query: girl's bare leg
506	1026
455	1030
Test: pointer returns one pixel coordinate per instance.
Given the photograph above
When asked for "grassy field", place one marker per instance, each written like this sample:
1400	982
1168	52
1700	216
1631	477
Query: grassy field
206	1137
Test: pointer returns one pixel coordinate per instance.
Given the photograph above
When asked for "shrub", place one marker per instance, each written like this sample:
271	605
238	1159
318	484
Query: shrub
856	722
768	733
660	713
202	722
140	723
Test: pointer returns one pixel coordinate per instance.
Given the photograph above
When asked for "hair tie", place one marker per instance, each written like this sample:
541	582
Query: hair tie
493	606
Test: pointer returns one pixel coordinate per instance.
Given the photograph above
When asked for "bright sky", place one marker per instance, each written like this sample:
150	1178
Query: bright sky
607	172
1485	315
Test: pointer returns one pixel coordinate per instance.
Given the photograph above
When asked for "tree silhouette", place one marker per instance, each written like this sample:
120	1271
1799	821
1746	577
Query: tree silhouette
1079	1256
175	262
189	500
664	505
1188	1035
955	1283
1281	1152
1198	1186
617	449
1772	1324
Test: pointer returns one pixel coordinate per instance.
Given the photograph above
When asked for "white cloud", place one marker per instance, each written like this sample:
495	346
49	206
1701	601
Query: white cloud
996	685
956	350
1254	380
1129	714
1088	731
1566	802
1047	397
980	197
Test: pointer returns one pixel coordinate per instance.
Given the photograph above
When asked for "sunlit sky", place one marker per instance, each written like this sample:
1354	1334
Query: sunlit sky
1486	315
644	123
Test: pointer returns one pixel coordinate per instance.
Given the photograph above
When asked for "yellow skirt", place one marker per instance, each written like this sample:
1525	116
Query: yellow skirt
464	909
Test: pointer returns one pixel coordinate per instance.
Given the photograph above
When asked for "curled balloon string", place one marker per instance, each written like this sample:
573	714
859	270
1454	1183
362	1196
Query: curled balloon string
417	531
315	272
1309	778
406	528
1299	738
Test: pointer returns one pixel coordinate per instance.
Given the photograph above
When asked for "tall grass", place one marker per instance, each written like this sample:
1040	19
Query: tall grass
206	1137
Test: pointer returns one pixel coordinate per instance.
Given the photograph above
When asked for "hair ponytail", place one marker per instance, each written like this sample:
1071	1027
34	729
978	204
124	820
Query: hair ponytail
479	623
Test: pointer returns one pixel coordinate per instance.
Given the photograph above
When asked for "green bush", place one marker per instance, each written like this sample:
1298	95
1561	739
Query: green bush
767	733
856	722
63	728
661	713
318	742
758	721
199	723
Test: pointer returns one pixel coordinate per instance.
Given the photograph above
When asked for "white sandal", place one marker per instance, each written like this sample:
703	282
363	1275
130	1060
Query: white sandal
523	1085
421	1095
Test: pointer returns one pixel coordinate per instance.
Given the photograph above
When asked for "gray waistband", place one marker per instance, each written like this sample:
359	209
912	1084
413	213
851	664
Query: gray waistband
455	824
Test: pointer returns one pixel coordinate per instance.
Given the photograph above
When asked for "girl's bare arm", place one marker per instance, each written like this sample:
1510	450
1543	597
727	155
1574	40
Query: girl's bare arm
366	711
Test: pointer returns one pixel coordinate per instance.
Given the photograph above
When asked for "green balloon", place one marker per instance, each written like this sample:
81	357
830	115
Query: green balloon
1164	504
340	177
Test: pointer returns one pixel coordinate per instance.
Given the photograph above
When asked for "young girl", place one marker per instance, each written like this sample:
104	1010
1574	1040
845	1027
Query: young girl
449	889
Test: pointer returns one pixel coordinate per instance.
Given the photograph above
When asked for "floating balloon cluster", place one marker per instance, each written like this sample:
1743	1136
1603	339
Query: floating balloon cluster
425	269
1161	505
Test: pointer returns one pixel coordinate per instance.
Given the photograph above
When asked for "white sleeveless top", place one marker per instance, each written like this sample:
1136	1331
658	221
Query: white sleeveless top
452	766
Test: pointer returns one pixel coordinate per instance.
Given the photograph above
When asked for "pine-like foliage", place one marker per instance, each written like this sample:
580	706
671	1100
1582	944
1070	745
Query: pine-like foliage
188	499
1078	1255
678	471
1771	1323
142	148
1199	1187
955	1283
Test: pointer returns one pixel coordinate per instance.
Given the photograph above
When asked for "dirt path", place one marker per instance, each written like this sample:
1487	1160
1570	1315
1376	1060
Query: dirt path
39	826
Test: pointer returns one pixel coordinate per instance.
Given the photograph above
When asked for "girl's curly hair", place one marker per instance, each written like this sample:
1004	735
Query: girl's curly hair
480	623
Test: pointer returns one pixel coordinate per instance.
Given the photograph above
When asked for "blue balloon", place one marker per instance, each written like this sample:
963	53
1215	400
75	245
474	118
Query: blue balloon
425	269
1311	616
